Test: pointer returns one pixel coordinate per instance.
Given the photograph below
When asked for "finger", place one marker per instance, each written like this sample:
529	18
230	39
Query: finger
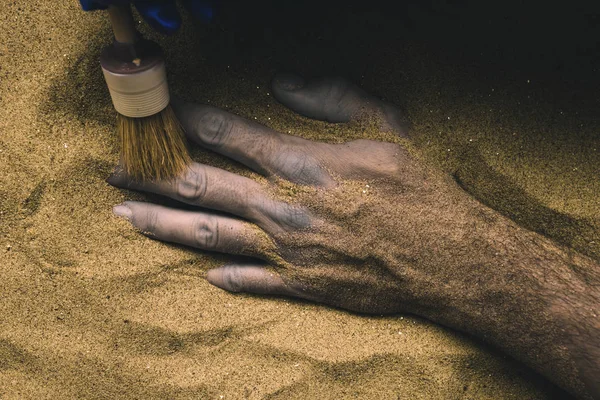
203	186
196	229
160	15
266	151
326	99
217	189
335	100
250	278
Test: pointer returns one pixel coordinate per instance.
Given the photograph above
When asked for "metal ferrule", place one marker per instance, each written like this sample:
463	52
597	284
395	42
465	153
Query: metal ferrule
139	94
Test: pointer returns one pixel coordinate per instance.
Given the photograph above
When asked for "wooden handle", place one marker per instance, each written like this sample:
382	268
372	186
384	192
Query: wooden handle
122	24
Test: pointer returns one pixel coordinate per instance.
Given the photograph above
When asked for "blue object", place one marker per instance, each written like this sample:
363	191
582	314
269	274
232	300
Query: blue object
162	15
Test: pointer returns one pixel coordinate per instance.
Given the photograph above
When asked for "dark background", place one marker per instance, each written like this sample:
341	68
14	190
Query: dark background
391	47
558	39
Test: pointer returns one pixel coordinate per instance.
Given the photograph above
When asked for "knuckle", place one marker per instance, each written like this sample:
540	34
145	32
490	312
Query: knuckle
233	279
214	128
291	217
339	92
192	188
205	232
299	167
298	218
149	221
334	101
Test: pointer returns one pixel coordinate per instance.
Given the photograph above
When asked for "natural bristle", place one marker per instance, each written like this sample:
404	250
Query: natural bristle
154	147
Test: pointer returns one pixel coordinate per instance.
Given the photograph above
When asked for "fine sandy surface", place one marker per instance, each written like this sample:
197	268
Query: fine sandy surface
91	309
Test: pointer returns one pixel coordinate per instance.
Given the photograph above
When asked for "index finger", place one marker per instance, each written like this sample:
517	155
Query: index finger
263	149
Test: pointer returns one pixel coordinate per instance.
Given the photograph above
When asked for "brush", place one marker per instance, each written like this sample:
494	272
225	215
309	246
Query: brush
153	145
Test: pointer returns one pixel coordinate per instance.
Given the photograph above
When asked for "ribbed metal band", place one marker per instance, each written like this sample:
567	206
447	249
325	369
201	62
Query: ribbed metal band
139	94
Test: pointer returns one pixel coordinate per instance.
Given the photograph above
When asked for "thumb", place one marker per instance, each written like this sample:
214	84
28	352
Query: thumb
327	99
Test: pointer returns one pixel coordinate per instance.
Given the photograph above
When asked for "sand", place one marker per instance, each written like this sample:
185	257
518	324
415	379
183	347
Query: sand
93	310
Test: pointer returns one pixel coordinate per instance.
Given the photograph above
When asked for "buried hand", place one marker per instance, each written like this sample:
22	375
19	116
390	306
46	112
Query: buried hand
290	238
367	226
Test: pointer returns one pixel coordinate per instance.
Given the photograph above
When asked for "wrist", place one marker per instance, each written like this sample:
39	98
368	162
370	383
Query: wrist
521	292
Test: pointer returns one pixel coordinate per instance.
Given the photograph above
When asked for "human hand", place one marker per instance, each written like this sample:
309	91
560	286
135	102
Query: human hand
367	226
161	15
342	224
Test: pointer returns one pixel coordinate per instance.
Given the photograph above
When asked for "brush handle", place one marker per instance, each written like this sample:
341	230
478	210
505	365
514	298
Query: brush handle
122	23
133	68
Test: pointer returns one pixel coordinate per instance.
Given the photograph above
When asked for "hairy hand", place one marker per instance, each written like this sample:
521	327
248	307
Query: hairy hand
361	225
368	227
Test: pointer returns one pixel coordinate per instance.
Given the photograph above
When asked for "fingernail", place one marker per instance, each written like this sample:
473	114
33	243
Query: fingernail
121	210
117	177
289	81
112	179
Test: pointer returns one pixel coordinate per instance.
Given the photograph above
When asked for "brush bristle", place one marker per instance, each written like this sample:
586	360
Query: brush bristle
154	147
